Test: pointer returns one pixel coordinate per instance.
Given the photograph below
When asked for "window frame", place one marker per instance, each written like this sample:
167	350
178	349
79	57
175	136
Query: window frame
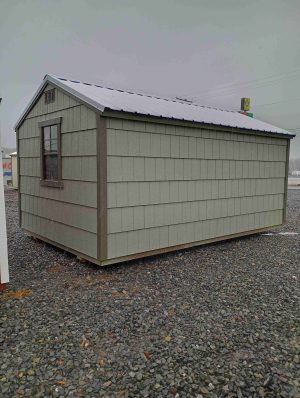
43	181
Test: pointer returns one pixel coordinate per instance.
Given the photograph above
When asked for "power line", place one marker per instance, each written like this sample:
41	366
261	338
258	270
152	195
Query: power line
255	83
277	102
276	77
238	90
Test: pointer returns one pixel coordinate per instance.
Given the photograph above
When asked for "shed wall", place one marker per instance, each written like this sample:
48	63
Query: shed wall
68	215
170	185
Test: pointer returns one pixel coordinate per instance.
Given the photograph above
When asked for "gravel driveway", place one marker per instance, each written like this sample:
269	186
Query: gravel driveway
216	321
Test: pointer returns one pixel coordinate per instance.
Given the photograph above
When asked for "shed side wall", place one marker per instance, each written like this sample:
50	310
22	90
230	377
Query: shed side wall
170	185
68	215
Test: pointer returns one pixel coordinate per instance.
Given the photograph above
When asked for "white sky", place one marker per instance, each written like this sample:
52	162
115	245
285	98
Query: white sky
213	50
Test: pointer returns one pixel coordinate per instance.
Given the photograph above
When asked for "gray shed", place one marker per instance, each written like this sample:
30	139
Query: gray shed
111	175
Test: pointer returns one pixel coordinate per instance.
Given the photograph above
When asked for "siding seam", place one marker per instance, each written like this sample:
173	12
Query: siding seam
192	158
198	200
58	222
59	201
49	113
195	221
201	137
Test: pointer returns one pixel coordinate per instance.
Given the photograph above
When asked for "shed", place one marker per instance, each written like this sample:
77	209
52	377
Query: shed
111	175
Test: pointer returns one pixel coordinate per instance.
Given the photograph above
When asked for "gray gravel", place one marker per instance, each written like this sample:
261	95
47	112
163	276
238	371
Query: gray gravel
216	321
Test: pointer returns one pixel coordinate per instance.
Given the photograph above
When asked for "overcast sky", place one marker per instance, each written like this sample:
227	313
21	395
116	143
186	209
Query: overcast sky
213	51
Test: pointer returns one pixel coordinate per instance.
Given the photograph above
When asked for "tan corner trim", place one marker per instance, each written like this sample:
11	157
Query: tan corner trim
184	246
286	182
19	178
60	246
101	187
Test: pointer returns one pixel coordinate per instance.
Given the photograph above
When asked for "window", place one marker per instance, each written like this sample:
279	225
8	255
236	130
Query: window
50	153
49	96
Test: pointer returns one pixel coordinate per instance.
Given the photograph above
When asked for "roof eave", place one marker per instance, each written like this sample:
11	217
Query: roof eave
116	113
31	103
68	90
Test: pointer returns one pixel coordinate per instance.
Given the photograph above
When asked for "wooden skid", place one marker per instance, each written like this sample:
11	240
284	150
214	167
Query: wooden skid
150	253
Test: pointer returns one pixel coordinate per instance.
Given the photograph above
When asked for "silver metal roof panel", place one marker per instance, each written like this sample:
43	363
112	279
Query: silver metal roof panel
103	98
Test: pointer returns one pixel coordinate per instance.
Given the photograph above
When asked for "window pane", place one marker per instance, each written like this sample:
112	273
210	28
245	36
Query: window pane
51	167
47	133
54	132
47	145
54	138
53	145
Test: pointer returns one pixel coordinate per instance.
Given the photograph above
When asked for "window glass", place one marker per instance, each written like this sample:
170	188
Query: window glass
50	152
47	133
47	145
53	145
54	138
51	167
54	131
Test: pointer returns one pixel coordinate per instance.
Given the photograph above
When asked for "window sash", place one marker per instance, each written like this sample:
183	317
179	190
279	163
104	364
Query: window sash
50	141
51	167
50	152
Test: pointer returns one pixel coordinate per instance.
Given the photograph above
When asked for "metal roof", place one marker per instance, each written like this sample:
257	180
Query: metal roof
104	98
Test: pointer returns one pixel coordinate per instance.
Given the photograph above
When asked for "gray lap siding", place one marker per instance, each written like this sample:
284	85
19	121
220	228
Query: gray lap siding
65	215
171	185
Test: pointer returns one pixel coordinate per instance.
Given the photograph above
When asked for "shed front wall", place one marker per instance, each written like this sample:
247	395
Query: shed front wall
65	215
169	185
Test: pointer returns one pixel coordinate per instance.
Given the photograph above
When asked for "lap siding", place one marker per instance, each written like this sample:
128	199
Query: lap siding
170	185
66	216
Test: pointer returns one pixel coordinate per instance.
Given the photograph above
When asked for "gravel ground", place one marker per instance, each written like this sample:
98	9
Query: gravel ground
216	321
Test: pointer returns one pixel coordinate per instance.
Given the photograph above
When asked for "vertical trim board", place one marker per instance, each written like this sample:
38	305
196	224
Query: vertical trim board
101	187
286	180
19	179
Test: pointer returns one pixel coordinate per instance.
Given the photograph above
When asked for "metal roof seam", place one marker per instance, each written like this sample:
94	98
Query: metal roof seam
148	95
